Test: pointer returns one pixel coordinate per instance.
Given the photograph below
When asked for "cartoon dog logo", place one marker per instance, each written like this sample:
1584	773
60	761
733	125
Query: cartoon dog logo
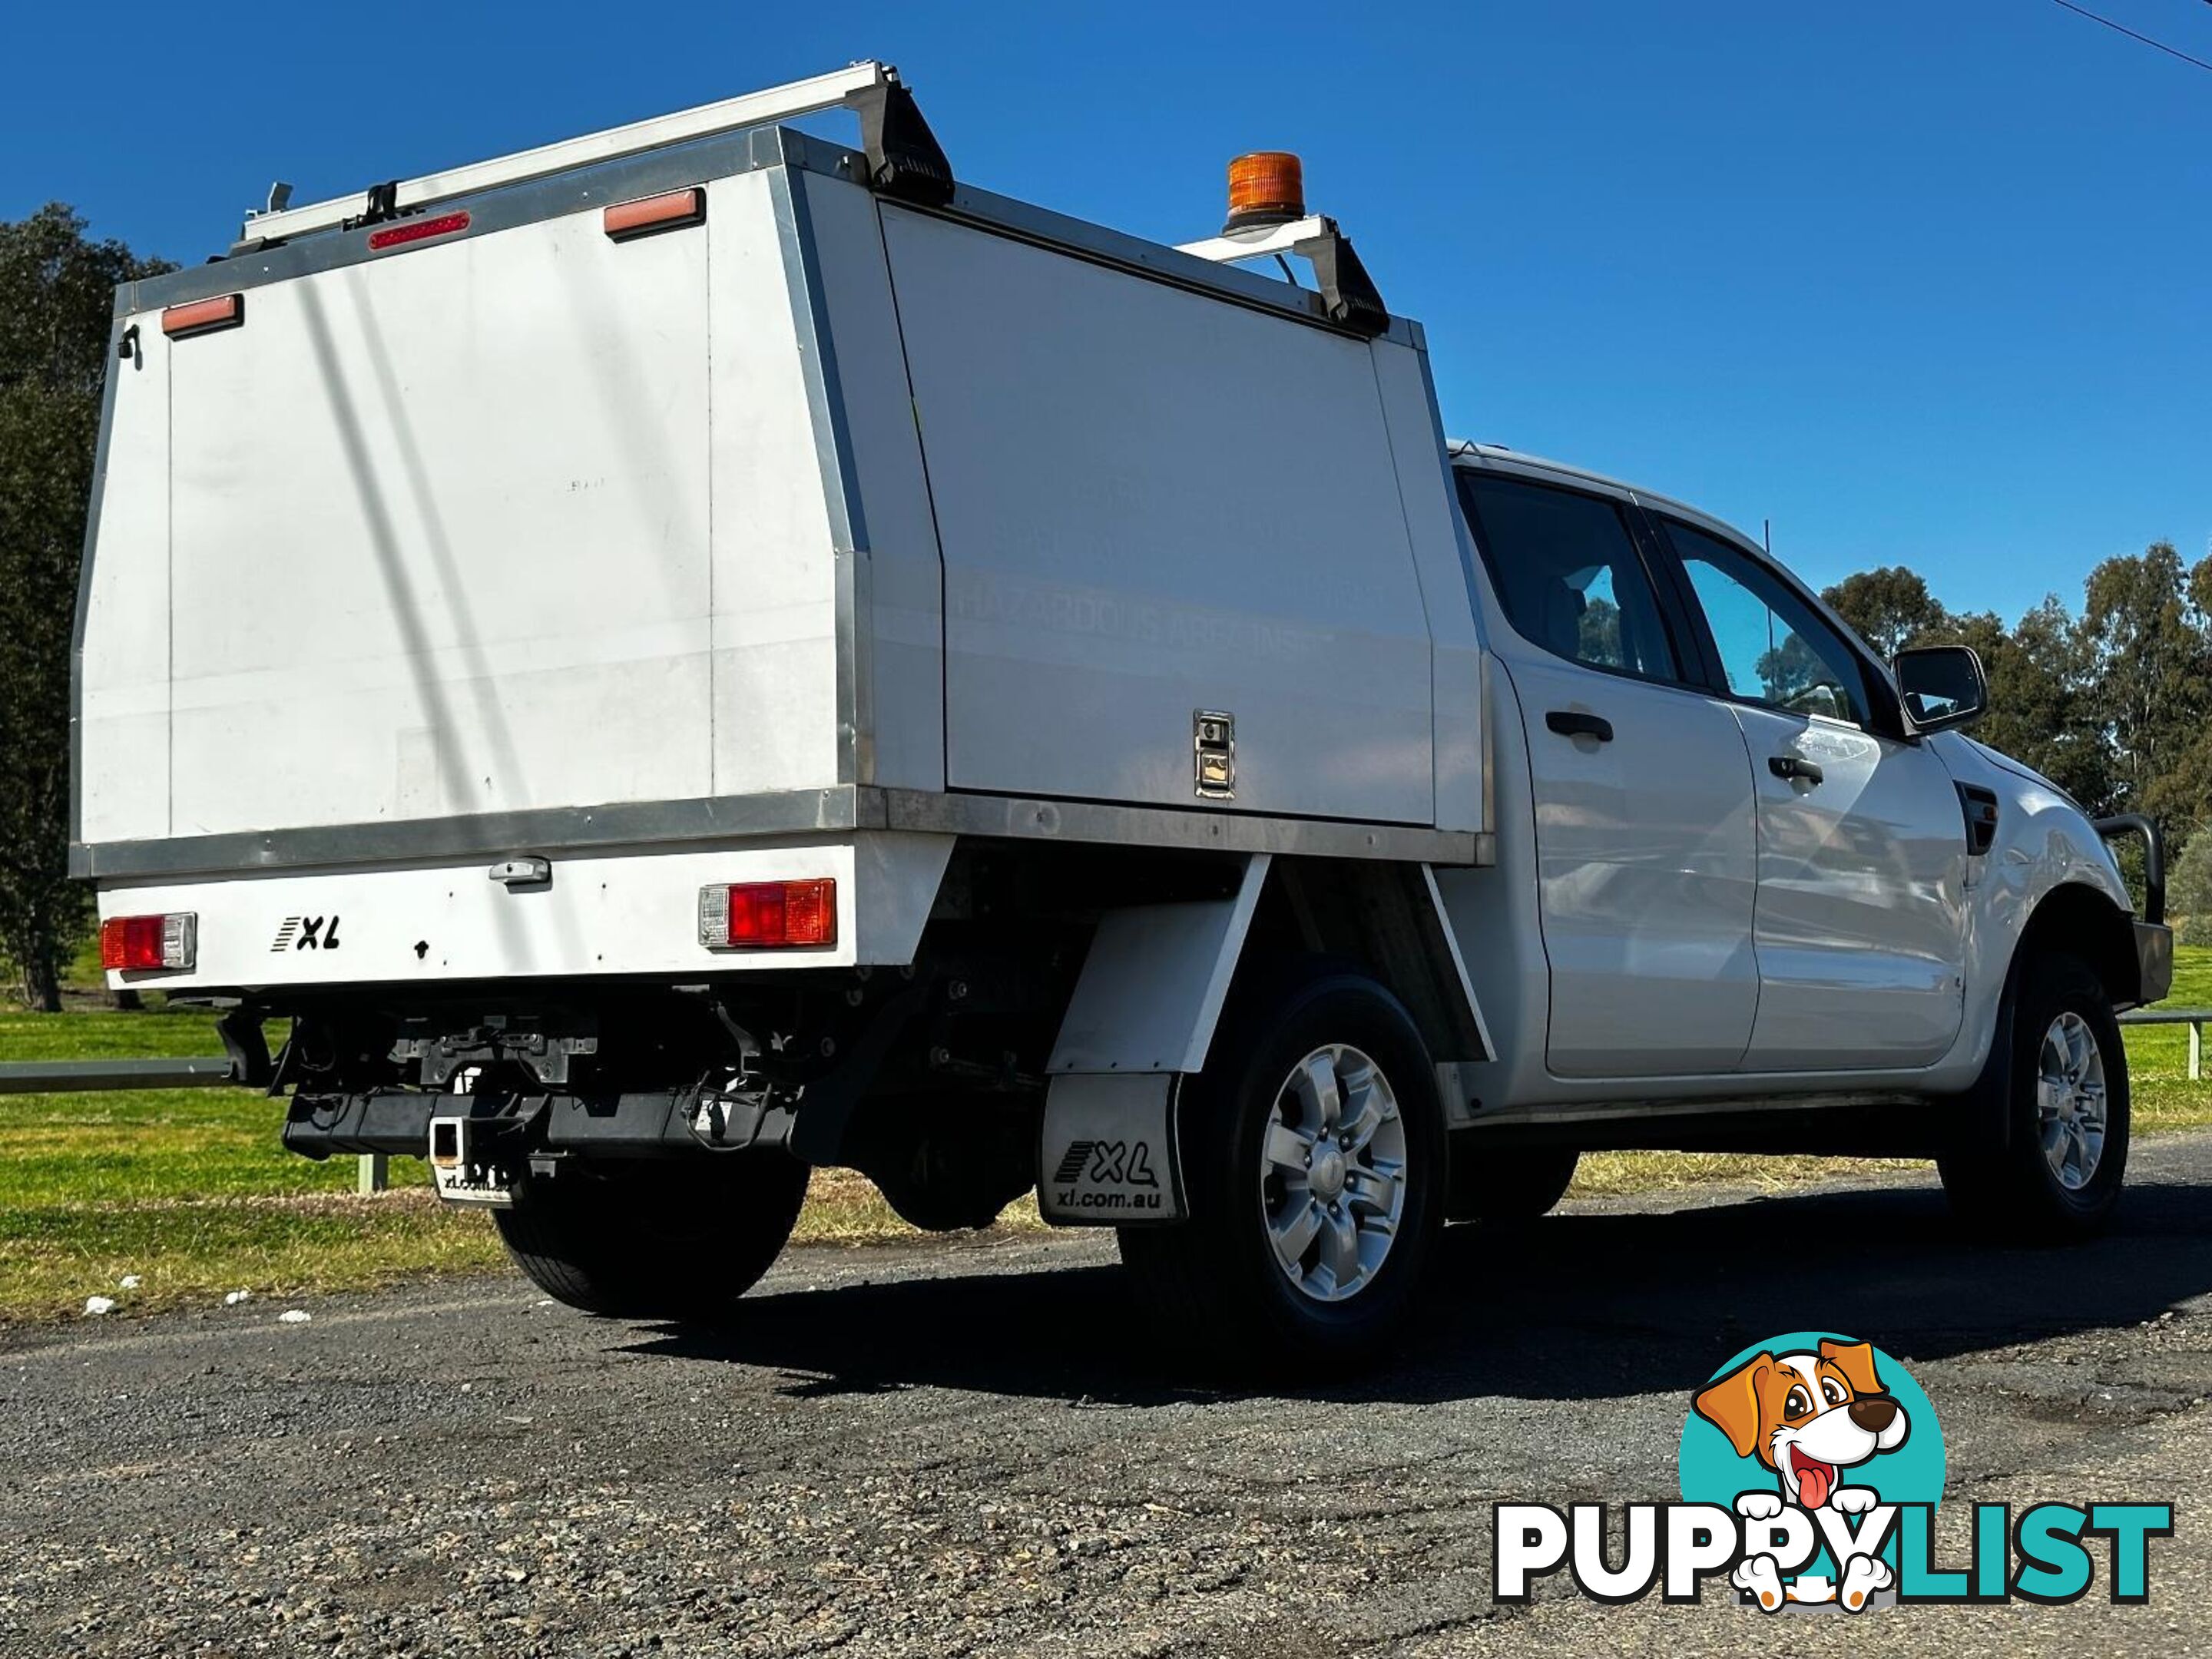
1808	1417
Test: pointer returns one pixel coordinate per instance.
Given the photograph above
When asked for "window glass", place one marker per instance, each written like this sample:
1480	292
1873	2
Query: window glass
1568	576
1773	648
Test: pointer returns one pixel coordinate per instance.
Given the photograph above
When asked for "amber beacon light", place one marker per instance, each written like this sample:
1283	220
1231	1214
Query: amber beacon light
1266	187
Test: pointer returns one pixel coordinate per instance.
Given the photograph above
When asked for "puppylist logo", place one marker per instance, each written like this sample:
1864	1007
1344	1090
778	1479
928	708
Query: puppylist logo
1811	1469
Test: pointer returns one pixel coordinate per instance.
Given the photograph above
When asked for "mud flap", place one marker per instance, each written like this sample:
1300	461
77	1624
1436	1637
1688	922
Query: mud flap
1106	1152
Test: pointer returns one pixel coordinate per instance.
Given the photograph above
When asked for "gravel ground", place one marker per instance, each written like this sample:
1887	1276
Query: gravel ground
974	1449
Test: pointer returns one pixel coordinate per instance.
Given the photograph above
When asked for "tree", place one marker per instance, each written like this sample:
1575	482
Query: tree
1598	632
1891	608
2043	698
57	293
2189	892
1788	672
2115	708
2151	660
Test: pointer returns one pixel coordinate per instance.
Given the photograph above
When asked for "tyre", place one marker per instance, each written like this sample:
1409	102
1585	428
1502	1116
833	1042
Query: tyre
2064	1101
674	1239
1312	1149
1511	1185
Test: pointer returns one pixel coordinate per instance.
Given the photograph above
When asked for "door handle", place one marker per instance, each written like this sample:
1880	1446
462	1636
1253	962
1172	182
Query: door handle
1794	769
1574	723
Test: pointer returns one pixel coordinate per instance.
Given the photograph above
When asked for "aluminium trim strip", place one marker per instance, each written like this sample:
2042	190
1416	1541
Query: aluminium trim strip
728	817
1466	981
1630	1109
852	596
118	332
1011	817
731	819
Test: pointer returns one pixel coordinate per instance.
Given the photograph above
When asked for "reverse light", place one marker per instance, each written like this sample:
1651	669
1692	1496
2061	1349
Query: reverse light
767	915
416	230
138	944
1267	187
671	211
204	316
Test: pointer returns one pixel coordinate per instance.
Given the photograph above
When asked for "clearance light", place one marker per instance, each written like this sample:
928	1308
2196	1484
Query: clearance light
1267	187
762	915
416	230
135	943
672	211
204	316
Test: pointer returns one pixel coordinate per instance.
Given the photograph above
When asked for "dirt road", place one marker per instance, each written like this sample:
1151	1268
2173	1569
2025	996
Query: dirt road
977	1449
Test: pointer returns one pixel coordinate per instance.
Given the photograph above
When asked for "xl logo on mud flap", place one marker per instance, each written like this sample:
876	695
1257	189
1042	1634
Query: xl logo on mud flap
306	933
1811	1469
1115	1163
1114	1175
1106	1157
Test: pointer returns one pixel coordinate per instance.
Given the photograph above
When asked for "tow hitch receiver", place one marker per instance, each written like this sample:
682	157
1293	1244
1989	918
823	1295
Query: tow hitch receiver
463	1174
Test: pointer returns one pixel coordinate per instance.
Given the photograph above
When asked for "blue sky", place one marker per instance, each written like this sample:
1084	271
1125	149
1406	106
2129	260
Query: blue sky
1922	282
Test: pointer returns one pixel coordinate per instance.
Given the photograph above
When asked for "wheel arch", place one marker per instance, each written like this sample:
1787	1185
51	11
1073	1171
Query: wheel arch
2082	918
1388	921
1157	977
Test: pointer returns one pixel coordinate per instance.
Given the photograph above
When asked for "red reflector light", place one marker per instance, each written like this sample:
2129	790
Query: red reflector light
416	230
138	944
672	211
756	914
204	316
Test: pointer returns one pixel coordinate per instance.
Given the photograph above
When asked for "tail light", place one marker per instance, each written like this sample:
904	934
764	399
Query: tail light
767	915
409	231
135	943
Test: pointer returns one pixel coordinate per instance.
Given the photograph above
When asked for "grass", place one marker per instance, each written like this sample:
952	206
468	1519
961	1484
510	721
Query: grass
190	1189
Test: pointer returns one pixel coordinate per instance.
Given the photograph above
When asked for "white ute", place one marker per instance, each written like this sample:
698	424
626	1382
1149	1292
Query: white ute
697	653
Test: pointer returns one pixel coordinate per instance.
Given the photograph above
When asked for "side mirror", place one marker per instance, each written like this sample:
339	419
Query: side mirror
1943	686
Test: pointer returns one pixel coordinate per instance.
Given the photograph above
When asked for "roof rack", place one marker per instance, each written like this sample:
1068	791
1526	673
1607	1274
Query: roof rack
904	157
1346	289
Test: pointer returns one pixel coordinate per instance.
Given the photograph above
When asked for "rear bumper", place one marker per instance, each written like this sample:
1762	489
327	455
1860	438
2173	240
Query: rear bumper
645	1125
583	916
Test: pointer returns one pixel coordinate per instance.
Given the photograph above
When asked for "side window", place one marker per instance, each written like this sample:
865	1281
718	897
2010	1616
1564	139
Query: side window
1773	647
1568	574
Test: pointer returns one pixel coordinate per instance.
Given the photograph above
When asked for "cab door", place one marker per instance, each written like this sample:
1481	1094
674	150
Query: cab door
1861	915
1640	788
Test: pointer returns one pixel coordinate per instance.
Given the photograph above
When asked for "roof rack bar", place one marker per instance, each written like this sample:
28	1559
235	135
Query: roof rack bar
1346	288
840	87
1258	243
